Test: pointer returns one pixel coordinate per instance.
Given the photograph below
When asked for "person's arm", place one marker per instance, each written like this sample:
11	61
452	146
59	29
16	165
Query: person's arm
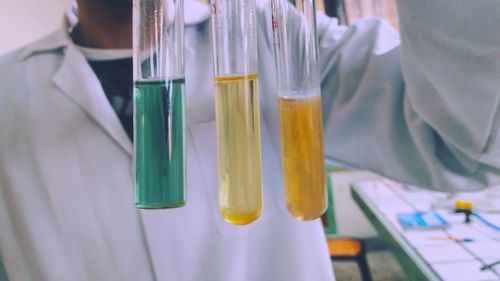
424	112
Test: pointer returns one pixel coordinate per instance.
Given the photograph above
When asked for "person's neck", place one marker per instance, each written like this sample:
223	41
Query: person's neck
103	26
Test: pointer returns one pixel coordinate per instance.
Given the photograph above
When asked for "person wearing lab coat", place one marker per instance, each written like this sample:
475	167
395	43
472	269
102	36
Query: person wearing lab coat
423	111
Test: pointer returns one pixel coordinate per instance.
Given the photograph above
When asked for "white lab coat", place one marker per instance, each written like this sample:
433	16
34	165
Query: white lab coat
425	113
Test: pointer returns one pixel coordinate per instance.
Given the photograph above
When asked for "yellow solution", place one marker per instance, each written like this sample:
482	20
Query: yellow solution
302	156
238	146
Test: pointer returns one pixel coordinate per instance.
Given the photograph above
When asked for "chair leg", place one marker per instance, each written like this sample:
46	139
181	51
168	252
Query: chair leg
363	267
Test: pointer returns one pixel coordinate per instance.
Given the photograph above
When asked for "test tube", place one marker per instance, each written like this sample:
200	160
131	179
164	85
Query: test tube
237	109
159	104
299	106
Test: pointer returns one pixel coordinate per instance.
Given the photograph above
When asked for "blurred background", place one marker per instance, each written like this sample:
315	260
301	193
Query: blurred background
22	21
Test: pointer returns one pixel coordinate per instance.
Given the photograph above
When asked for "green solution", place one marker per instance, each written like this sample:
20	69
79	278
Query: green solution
159	150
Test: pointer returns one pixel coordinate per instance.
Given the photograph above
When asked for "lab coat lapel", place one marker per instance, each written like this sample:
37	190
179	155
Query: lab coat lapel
76	79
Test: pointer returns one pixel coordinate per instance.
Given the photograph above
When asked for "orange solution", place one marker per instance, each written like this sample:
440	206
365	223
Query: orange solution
302	156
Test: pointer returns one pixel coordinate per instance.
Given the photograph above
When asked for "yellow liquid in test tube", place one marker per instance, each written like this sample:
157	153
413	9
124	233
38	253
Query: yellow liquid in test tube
238	143
302	152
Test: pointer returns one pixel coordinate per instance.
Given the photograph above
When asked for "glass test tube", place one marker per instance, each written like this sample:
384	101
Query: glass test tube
299	105
159	104
237	110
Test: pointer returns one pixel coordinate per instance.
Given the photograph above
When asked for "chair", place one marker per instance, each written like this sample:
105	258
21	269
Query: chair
343	248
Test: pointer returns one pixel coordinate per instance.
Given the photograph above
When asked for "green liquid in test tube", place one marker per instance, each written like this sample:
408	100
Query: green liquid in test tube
159	143
159	104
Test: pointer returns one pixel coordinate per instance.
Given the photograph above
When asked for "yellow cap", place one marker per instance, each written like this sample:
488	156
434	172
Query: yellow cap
464	205
467	205
459	204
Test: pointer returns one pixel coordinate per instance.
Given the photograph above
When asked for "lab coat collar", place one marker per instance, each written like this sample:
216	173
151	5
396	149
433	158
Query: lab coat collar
76	79
55	40
58	39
